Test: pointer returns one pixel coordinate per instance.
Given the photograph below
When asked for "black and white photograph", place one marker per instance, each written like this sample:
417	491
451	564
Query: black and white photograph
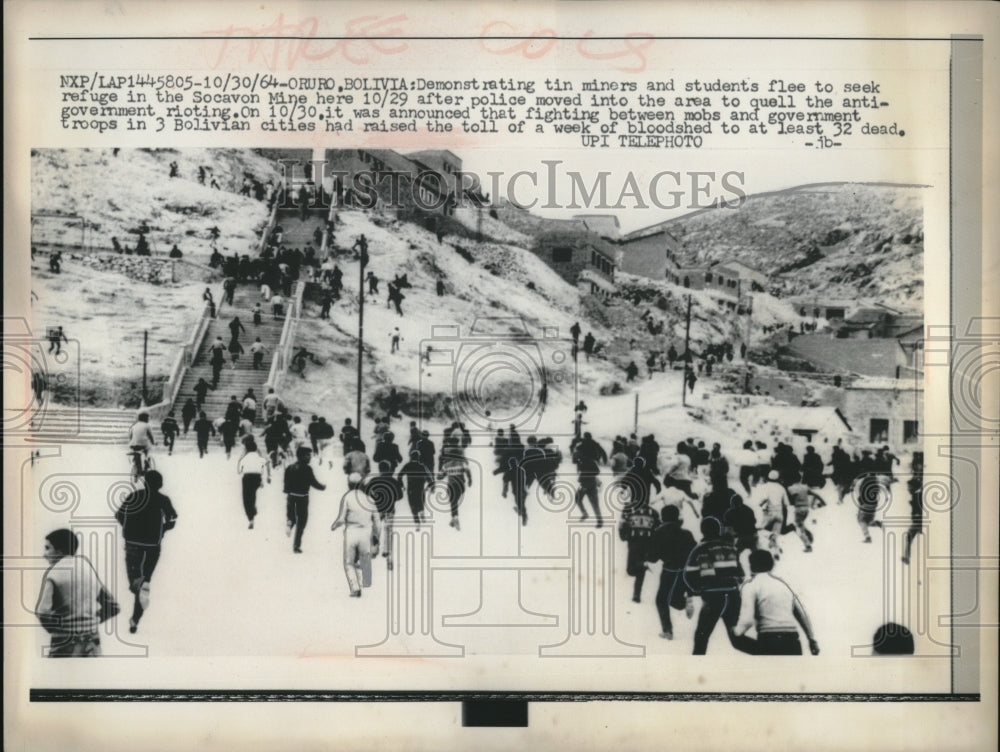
594	368
733	381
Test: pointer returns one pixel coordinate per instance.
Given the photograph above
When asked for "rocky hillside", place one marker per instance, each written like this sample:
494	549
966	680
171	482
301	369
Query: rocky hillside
120	193
845	240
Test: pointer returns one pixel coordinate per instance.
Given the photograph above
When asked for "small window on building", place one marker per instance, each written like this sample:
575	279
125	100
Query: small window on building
562	255
687	281
879	431
708	278
910	431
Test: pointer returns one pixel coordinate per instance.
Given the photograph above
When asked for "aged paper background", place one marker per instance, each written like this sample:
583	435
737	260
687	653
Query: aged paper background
30	122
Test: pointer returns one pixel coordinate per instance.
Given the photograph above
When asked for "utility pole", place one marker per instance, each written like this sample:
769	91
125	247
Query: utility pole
746	343
687	353
361	328
145	345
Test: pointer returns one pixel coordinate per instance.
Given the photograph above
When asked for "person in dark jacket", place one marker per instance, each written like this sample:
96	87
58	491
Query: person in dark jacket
812	469
217	358
517	477
649	450
385	490
427	449
417	475
170	429
188	414
201	390
312	431
915	485
347	435
636	529
717	502
299	478
145	515
718	465
386	450
713	572
672	545
842	471
589	456
228	431
202	429
740	524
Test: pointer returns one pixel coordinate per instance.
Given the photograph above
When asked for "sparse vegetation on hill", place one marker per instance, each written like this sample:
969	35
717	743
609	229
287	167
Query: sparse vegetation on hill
831	241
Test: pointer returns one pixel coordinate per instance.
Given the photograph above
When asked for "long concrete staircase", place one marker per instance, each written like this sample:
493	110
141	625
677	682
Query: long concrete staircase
233	381
296	234
67	425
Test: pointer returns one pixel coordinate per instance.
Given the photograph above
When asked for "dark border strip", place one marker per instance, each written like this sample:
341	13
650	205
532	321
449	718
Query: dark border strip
301	695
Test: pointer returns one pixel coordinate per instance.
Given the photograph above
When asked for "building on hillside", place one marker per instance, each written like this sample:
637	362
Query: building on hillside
604	225
715	277
831	310
447	167
651	255
752	279
882	324
884	358
884	411
580	257
425	180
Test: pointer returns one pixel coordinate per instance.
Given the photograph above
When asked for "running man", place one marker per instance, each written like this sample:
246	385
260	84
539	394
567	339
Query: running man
454	468
672	544
589	456
772	499
202	429
636	529
771	607
170	429
257	352
801	497
252	467
915	485
418	476
145	516
73	601
359	518
713	571
299	478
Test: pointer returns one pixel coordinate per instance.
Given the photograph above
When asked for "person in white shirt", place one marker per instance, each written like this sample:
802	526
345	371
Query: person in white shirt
772	499
768	605
675	497
73	601
257	353
271	404
359	517
747	460
299	435
140	435
678	474
252	467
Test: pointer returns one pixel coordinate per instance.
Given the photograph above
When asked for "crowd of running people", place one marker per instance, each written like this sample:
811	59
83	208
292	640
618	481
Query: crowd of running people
744	503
